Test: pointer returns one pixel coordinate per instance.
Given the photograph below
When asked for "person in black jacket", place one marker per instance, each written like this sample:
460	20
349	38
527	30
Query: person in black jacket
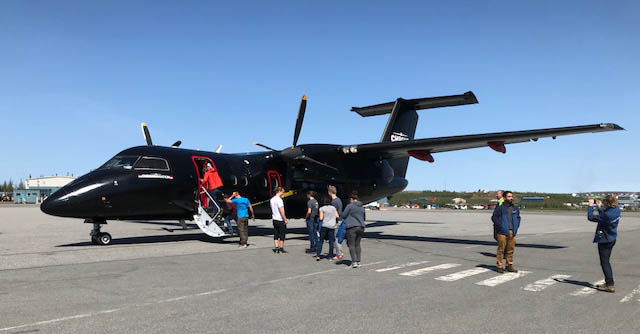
354	218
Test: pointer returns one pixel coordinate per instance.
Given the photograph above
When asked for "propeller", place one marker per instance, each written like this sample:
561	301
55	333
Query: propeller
294	153
264	146
301	110
147	136
145	133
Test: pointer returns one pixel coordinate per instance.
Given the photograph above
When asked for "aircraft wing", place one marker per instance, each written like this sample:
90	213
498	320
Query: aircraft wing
422	148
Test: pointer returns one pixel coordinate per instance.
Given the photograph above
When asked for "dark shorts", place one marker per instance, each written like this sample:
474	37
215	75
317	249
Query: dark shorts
279	230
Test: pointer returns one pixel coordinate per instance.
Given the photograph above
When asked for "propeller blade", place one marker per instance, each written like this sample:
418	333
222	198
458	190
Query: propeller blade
264	146
145	133
219	148
303	107
306	158
177	144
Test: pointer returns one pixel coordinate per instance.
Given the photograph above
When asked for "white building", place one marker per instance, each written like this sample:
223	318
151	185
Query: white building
48	182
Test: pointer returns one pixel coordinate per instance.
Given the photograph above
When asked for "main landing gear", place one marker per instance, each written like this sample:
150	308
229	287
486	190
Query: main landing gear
98	237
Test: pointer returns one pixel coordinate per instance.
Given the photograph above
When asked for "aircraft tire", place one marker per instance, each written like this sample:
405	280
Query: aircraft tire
104	239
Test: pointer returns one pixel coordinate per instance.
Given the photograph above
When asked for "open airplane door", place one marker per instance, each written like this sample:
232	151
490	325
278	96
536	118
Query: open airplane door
206	223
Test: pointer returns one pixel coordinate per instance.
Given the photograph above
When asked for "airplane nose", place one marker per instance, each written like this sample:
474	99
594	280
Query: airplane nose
54	205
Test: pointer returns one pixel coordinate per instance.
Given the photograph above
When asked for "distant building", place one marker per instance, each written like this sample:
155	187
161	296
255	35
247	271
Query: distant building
628	200
37	189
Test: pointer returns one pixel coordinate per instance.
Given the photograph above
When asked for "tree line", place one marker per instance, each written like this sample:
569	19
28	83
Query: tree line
8	187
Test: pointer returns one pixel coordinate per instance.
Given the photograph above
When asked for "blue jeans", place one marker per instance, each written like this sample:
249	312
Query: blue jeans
313	229
604	250
326	234
227	221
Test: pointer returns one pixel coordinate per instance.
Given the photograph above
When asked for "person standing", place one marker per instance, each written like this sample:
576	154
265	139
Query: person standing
242	204
312	221
608	219
340	230
328	216
279	220
354	217
499	202
506	218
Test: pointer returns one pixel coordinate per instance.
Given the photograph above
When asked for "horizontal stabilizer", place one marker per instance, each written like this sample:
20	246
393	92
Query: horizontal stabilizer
418	104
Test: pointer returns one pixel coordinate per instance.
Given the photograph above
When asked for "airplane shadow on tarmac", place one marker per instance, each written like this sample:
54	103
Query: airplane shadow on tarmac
299	232
381	236
254	231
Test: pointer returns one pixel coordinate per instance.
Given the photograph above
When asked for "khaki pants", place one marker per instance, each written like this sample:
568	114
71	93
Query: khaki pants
243	230
508	243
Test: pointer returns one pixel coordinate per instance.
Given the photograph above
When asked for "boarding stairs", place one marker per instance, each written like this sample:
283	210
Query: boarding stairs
208	224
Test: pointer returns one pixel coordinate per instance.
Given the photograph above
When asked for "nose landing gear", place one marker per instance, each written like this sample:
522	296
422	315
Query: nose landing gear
98	237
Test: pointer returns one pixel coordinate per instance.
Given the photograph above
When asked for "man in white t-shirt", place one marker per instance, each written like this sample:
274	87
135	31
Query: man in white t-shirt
279	221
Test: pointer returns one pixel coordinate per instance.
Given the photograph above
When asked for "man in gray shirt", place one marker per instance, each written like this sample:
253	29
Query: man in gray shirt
312	221
340	230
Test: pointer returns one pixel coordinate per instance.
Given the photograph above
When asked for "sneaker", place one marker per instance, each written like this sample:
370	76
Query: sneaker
354	265
606	288
511	269
500	270
335	258
283	251
275	250
317	258
245	246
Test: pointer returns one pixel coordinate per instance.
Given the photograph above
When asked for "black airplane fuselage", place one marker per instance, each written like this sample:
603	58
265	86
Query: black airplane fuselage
164	183
140	186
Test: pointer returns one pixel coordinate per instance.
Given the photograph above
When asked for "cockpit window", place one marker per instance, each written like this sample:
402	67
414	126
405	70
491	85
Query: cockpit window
117	162
151	163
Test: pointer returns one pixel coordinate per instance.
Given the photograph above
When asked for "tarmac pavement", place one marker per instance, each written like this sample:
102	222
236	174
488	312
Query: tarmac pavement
423	272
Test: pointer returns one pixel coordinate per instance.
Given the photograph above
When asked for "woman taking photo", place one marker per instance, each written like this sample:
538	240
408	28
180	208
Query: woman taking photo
607	215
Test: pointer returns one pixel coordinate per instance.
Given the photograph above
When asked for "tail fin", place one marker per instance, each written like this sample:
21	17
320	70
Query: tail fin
403	119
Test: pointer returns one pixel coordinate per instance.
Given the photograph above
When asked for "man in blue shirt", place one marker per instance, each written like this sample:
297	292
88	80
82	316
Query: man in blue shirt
242	204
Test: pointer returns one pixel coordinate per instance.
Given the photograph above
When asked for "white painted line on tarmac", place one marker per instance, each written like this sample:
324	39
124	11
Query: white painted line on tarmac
588	290
426	270
628	297
370	264
462	274
545	283
170	300
401	266
47	322
472	246
503	278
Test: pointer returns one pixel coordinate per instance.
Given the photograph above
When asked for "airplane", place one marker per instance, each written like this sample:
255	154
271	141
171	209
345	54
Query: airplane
154	182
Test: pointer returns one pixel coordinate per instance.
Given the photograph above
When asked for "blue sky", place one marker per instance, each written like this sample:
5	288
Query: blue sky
78	77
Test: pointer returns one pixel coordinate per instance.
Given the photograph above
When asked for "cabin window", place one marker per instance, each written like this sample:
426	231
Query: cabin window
118	162
151	163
